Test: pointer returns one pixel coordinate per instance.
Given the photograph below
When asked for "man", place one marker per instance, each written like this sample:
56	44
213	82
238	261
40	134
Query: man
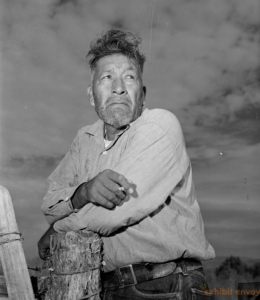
128	177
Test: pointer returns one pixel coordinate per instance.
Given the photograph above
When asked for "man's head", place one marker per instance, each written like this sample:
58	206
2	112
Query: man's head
117	90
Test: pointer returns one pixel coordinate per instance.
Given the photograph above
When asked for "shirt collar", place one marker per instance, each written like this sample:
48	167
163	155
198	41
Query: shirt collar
97	128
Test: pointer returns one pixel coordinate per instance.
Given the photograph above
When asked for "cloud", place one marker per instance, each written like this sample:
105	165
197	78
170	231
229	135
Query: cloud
243	126
30	167
230	212
198	49
225	129
204	73
27	194
25	179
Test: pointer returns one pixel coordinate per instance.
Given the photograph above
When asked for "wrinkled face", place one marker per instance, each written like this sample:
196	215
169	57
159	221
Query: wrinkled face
117	91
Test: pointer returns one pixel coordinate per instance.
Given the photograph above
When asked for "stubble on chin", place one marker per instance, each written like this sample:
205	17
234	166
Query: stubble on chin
116	117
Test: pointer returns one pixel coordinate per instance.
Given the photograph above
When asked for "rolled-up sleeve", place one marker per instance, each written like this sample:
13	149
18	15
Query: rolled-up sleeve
62	184
151	162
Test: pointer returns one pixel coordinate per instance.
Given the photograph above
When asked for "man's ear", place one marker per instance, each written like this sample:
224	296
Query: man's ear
90	95
144	91
144	94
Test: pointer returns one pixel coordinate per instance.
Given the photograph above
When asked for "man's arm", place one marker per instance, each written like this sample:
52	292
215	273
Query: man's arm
65	193
151	161
107	189
62	184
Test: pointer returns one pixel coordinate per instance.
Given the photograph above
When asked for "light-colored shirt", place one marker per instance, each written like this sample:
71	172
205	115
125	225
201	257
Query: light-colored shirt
161	221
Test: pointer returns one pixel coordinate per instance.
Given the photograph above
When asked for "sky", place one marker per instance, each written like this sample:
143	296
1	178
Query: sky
203	65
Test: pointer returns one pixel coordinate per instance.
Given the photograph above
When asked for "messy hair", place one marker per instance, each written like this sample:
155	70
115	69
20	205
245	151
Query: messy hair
116	41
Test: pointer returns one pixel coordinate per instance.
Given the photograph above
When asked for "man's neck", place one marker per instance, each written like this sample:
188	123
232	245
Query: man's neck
111	132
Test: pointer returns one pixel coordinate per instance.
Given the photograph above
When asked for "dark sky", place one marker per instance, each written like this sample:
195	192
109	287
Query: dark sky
202	64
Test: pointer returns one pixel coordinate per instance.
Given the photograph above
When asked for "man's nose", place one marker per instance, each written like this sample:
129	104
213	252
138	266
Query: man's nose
119	87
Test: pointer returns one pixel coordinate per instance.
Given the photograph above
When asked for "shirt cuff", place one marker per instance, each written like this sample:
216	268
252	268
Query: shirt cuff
53	198
55	227
66	224
75	210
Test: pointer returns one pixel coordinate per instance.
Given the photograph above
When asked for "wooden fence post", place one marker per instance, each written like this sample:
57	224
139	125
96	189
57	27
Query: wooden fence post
17	277
75	260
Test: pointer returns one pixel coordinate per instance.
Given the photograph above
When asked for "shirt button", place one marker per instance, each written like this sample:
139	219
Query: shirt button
105	152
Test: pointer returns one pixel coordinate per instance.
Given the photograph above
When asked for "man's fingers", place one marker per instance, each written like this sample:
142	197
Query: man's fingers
120	180
44	255
111	196
116	189
101	200
44	243
120	192
109	189
43	251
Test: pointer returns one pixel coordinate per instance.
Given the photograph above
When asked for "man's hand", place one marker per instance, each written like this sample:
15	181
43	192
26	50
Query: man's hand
107	189
44	243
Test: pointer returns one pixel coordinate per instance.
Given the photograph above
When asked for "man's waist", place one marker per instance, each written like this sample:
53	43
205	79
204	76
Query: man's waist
132	274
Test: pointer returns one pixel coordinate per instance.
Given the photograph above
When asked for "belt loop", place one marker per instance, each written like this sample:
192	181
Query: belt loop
133	274
119	277
184	268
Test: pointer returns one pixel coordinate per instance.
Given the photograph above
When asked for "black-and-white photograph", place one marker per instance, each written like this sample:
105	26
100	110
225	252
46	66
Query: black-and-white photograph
129	149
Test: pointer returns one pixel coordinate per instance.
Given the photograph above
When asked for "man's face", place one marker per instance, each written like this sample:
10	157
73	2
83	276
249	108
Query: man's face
117	91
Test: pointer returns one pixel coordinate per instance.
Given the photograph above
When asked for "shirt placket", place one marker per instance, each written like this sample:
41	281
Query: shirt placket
105	151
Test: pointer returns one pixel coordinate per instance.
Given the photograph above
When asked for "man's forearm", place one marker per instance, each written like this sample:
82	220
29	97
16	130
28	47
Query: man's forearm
107	189
56	204
58	211
79	198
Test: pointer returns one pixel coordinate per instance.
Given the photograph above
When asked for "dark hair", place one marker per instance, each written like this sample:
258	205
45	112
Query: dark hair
116	42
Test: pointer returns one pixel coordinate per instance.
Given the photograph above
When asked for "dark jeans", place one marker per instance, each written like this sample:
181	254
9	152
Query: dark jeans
173	287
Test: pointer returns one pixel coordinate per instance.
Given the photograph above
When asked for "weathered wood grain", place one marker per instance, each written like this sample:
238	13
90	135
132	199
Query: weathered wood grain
3	288
11	253
75	260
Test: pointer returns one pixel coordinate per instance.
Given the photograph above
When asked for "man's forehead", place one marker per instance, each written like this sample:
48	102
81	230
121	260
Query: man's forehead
116	61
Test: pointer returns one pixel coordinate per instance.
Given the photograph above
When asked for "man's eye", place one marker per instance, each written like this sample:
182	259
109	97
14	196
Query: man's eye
106	77
130	77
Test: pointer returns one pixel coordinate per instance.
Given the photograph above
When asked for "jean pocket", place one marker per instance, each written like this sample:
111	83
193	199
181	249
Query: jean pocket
162	296
200	295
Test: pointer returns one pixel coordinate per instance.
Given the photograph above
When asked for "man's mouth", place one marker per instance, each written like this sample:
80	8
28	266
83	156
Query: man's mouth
120	102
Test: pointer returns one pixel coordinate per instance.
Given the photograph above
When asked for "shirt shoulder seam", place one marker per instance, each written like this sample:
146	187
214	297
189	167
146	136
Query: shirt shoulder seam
165	133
